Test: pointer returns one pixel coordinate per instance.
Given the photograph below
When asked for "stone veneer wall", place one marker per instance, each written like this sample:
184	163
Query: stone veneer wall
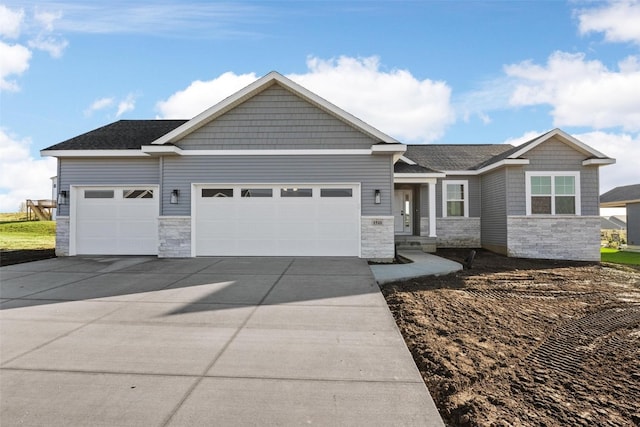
456	232
62	236
554	237
377	238
174	237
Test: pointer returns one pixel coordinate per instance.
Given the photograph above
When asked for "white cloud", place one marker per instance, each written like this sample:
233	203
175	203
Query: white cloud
623	147
99	104
525	137
50	44
395	101
581	92
21	176
10	22
618	20
15	61
126	105
199	95
16	57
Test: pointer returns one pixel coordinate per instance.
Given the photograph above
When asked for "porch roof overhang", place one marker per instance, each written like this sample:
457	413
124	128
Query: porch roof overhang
417	178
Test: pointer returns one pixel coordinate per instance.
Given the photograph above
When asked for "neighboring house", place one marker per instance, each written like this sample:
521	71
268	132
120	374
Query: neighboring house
612	231
628	197
276	170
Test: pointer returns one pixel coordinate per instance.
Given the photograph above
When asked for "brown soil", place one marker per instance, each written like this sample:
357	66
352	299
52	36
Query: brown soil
526	342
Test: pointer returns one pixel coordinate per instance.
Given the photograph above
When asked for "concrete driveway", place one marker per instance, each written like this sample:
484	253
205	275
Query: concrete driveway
204	341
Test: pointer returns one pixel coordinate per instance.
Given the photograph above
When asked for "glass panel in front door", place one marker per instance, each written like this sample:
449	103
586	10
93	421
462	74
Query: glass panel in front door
407	213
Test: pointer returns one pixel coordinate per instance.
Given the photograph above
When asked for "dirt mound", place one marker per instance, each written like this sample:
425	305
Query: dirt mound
526	342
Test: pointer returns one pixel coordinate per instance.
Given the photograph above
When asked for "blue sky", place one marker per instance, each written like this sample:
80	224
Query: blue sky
421	71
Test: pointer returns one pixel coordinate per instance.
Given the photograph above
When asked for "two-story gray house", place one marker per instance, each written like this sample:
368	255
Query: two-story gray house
275	170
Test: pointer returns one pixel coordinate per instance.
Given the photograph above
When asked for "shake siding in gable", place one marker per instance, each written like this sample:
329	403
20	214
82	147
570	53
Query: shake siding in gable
494	209
553	155
106	172
276	119
373	172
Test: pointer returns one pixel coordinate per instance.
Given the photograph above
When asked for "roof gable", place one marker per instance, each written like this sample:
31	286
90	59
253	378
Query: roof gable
275	119
259	86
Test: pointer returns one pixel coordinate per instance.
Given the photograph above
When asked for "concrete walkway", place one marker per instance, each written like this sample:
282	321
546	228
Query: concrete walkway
423	264
206	341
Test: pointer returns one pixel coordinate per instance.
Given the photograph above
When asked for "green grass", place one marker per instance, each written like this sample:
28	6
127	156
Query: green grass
20	234
619	257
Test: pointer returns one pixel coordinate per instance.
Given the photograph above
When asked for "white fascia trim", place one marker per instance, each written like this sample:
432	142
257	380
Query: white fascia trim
318	152
590	162
581	146
388	148
618	204
407	160
161	149
505	162
257	87
93	153
409	178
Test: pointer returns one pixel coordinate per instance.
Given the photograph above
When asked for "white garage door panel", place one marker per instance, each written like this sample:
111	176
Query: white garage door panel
116	225
277	226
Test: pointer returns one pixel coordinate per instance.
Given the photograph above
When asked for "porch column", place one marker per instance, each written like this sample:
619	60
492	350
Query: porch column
432	208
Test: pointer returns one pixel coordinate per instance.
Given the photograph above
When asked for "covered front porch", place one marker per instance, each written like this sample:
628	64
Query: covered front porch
414	207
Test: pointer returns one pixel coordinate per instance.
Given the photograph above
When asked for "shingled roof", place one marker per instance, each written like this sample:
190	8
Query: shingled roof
120	135
455	156
621	195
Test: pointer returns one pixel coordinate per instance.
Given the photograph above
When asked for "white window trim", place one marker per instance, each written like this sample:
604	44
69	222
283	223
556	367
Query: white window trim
553	174
465	189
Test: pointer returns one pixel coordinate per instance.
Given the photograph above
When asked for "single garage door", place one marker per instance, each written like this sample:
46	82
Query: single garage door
116	221
277	220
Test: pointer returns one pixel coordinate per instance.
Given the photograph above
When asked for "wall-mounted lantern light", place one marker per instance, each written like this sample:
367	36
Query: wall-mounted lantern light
377	198
63	198
174	197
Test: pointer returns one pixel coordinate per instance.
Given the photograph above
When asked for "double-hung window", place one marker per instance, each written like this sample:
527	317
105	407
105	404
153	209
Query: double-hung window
455	198
553	193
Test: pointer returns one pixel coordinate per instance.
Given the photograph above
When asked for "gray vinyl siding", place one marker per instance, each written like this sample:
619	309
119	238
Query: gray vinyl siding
493	224
633	224
106	172
554	155
276	119
373	172
474	194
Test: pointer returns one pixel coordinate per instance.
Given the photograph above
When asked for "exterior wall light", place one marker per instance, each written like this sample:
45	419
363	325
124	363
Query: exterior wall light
63	198
174	197
377	198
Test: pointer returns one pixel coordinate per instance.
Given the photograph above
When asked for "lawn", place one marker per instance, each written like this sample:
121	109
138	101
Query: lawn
16	233
619	257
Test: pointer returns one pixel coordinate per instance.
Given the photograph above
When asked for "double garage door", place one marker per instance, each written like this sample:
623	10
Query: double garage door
277	220
227	220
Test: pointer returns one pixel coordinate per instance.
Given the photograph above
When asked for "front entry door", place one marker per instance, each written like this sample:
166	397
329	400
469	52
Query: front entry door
402	208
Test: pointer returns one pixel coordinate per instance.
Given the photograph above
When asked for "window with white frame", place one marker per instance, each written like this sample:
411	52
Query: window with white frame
553	193
455	198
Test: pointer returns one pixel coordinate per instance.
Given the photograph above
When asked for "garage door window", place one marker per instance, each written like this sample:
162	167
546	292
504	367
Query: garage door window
137	194
296	192
336	192
98	194
256	192
217	192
